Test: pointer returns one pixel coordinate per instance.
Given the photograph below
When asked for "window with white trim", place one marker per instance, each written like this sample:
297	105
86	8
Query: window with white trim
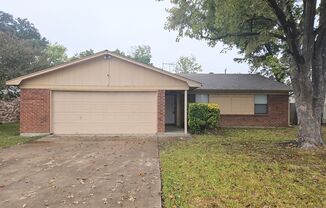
201	98
261	105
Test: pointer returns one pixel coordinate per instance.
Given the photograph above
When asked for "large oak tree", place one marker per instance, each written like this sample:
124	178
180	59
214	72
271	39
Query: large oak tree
23	50
287	34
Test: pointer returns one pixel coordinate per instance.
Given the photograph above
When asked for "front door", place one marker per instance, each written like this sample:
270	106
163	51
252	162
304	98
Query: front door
170	109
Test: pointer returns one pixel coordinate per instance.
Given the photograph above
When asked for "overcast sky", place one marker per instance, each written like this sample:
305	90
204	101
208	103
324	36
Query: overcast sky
111	24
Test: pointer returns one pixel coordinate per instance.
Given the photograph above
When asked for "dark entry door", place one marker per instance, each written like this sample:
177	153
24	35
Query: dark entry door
170	109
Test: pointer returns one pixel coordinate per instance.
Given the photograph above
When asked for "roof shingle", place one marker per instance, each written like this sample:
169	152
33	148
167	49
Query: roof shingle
246	82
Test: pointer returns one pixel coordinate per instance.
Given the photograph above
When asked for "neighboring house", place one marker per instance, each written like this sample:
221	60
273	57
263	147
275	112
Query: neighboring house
110	94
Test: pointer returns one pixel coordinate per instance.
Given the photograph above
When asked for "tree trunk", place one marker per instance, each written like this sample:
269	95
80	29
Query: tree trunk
310	132
309	98
309	77
307	47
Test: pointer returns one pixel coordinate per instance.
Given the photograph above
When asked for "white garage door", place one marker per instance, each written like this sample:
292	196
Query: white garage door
104	112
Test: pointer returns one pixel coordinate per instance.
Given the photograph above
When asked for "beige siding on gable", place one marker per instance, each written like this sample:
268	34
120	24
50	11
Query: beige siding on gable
235	104
105	75
91	73
125	74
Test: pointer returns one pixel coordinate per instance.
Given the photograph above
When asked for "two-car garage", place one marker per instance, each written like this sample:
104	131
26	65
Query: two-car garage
104	112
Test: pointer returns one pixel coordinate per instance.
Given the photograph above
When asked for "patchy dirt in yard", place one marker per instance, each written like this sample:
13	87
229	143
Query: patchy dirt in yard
81	172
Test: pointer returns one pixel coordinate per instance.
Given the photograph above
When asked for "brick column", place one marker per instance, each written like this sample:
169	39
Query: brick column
34	111
161	111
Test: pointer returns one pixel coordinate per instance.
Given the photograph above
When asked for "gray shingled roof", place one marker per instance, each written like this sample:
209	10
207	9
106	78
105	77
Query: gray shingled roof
237	82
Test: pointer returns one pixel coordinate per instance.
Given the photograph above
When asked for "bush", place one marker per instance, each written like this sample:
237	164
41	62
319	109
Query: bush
203	117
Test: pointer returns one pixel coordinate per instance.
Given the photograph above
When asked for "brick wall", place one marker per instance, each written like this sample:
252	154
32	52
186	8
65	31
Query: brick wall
161	111
277	115
35	111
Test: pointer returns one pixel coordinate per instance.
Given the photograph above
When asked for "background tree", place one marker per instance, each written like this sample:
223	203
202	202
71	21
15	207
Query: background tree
141	53
82	54
17	57
267	65
187	65
119	52
23	50
54	54
21	47
288	36
22	29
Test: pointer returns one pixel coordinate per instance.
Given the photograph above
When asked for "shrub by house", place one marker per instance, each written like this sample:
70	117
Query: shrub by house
203	117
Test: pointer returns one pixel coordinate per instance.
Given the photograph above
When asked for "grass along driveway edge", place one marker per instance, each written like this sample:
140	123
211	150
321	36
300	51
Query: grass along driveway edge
9	135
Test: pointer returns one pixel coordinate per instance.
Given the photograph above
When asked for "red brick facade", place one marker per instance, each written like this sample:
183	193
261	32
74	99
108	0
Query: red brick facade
34	111
277	115
161	111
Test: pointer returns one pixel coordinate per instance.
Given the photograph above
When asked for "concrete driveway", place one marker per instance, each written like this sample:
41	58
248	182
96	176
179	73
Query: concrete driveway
81	172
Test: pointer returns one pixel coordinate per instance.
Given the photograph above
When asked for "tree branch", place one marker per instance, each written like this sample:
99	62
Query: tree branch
281	37
238	34
289	30
320	32
241	34
308	29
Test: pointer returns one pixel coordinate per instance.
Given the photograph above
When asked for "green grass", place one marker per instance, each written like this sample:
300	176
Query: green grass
9	135
242	168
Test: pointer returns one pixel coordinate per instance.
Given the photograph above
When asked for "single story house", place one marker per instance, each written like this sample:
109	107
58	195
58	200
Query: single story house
110	94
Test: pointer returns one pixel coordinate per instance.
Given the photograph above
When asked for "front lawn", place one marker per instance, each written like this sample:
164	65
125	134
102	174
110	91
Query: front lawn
242	168
9	135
